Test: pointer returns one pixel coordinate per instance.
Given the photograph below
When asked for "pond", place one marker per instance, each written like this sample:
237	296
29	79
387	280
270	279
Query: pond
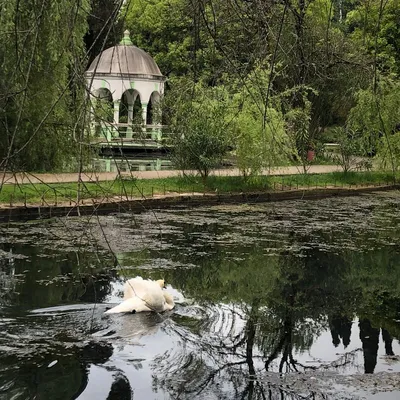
289	300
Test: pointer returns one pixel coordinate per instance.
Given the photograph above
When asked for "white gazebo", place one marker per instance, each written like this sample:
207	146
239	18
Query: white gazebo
125	86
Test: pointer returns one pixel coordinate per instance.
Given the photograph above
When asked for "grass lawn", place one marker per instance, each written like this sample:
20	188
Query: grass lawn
65	192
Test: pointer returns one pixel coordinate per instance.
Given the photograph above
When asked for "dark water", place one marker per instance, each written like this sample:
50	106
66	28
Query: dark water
291	300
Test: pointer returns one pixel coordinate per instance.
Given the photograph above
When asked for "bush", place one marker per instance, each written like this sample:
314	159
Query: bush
201	131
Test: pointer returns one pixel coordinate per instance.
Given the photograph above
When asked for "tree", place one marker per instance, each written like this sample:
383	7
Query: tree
389	152
41	81
104	26
200	127
377	113
374	26
349	147
260	138
163	29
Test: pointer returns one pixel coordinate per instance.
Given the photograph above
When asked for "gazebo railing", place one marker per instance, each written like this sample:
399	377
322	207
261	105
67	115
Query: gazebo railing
111	131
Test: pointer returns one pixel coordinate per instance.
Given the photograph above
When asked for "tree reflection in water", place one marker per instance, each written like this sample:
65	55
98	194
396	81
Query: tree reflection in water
340	327
266	326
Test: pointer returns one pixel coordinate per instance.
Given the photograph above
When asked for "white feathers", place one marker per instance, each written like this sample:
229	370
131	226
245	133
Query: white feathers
144	295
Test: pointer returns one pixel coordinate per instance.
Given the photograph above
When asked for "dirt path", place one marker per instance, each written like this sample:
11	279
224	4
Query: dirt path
20	178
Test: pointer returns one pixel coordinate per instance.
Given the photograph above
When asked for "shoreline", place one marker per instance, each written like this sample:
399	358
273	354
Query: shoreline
116	204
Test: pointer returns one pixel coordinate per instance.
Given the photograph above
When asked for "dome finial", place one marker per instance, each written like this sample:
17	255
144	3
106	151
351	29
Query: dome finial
126	40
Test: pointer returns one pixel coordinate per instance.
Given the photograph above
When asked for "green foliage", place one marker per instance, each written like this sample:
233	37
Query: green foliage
260	137
298	124
377	30
389	152
249	140
298	120
320	12
258	147
349	146
41	82
162	28
323	58
200	127
376	114
180	35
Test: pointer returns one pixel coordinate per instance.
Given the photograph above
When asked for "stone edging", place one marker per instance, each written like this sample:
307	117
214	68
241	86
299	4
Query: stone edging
21	213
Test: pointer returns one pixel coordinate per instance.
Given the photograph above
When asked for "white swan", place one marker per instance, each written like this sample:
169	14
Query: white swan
144	295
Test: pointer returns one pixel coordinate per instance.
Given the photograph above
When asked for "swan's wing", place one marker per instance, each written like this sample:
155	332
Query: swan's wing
135	287
130	305
157	301
140	287
147	291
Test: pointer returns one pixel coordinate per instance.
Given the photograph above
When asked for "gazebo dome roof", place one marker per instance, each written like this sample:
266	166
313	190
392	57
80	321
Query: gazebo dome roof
125	59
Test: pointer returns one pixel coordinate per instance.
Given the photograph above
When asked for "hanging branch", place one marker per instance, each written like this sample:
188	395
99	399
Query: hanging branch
273	61
375	89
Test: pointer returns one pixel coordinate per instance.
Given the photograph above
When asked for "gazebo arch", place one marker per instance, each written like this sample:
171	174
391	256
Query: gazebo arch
103	105
129	74
130	113
153	110
102	109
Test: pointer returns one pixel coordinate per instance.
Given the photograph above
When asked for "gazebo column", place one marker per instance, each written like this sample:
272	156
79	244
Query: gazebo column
144	113
116	118
144	117
129	132
91	117
92	120
158	127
